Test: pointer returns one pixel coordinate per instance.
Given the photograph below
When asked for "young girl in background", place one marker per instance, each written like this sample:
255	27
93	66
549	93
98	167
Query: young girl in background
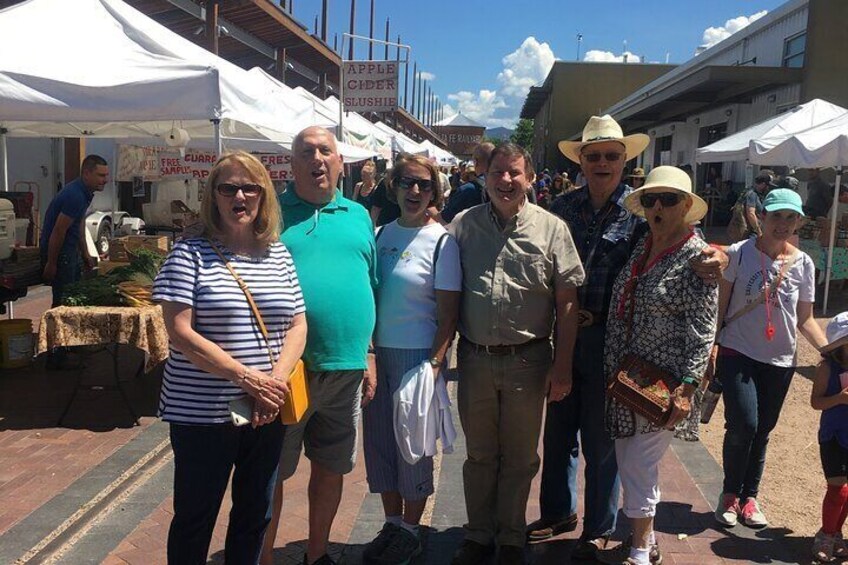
830	395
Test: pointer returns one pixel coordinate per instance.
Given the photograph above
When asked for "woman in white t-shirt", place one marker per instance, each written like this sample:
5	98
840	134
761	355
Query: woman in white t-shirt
417	304
757	347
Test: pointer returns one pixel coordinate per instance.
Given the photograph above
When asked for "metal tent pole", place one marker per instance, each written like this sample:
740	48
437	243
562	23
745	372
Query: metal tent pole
834	209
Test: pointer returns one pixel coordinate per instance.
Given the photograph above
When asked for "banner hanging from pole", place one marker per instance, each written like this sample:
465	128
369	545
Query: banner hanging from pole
370	86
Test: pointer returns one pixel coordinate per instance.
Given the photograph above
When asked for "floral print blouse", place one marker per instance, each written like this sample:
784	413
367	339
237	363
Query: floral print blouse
674	318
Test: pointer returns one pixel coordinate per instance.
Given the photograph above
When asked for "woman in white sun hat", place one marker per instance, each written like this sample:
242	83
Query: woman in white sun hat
664	313
766	297
829	395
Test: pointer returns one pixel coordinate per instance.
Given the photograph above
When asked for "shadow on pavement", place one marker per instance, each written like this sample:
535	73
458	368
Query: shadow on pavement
34	398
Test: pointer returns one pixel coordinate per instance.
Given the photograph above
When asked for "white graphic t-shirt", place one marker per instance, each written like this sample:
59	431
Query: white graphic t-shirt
406	296
747	334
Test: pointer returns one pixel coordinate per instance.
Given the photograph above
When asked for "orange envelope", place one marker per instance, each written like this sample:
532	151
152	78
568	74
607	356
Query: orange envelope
298	399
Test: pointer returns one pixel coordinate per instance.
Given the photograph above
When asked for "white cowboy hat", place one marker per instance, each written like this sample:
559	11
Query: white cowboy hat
602	129
669	178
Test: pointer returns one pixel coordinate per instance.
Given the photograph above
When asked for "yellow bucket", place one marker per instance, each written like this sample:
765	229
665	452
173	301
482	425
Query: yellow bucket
16	343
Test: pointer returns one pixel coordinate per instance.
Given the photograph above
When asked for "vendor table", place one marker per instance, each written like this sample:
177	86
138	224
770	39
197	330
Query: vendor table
72	326
818	253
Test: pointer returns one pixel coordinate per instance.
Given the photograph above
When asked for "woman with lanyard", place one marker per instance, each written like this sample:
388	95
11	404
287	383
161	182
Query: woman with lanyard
767	295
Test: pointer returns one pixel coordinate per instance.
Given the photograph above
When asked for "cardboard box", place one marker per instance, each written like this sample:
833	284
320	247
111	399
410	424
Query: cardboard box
121	248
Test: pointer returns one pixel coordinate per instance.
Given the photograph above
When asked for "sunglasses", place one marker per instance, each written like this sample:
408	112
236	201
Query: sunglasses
229	190
595	157
667	199
406	183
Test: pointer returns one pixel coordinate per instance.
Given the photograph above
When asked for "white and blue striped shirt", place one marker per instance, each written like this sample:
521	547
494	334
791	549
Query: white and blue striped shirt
194	274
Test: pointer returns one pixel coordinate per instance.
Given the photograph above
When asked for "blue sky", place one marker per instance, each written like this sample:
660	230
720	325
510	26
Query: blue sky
483	55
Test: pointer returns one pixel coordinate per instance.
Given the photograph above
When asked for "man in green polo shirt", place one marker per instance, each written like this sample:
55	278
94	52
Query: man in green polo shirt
331	240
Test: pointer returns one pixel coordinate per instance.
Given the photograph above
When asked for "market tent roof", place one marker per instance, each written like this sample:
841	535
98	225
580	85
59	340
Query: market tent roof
460	119
803	119
442	157
122	75
402	143
825	145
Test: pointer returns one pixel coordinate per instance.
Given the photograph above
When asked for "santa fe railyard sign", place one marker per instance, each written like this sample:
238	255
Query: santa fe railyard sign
370	86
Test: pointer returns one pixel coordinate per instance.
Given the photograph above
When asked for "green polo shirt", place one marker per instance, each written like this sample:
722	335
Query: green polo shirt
336	261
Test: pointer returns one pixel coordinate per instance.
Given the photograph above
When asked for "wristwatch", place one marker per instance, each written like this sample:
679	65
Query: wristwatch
434	362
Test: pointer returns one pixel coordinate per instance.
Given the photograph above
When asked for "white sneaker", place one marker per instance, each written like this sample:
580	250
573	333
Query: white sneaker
727	510
752	516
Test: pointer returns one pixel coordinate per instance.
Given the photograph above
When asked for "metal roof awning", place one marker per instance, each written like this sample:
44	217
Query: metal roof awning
253	34
700	90
535	100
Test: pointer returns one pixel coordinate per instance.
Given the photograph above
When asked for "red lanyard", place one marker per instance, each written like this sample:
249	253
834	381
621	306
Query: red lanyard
774	288
628	296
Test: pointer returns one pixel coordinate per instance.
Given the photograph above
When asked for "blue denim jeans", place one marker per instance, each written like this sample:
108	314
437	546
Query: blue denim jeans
68	270
753	396
581	412
204	457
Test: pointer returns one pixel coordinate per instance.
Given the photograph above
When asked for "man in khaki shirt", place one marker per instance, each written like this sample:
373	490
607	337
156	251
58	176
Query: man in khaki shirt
520	273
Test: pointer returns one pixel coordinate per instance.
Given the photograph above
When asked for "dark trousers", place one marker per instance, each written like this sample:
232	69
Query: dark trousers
581	412
204	456
68	271
753	396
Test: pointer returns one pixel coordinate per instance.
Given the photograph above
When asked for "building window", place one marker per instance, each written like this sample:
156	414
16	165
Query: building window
793	51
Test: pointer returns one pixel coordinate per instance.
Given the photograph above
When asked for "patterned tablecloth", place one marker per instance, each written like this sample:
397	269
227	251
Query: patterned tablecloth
142	328
819	255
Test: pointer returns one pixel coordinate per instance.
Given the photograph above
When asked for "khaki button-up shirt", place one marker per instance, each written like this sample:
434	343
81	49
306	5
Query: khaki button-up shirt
510	273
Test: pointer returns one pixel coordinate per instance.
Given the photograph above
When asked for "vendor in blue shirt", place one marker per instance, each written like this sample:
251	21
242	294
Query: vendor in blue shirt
62	240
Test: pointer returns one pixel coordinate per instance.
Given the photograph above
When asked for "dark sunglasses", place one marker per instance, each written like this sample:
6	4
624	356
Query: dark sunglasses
595	157
406	183
667	199
229	190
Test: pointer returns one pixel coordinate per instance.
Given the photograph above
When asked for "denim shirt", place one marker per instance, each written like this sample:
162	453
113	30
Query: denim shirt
604	241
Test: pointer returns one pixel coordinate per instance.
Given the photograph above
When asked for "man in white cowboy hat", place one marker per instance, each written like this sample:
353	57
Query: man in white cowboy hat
605	233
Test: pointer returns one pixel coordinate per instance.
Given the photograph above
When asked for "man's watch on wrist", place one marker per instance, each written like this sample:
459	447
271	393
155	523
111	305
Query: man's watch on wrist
435	362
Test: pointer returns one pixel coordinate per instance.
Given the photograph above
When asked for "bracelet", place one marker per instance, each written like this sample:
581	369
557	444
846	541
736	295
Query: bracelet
689	381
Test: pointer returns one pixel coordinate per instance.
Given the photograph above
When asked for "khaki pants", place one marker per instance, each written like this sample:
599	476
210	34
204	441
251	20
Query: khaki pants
501	398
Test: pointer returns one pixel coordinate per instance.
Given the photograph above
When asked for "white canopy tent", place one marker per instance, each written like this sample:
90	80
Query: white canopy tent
125	75
443	158
814	135
402	143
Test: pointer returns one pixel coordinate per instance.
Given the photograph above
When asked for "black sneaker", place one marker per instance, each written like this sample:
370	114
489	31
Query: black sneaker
404	546
376	547
471	553
587	548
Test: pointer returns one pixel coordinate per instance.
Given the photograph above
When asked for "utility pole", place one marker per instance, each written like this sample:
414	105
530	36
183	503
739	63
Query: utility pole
371	34
411	107
579	41
352	29
325	9
386	56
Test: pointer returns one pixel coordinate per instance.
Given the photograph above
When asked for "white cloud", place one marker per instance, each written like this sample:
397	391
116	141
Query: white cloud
713	35
526	66
480	107
598	56
429	77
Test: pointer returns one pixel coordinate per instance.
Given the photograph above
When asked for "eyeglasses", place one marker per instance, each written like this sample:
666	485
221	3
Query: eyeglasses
595	157
406	183
667	199
230	190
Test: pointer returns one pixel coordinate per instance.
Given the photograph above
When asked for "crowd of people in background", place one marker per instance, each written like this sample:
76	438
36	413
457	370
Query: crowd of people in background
554	287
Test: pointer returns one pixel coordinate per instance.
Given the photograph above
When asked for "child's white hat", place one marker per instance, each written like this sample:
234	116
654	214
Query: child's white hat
837	332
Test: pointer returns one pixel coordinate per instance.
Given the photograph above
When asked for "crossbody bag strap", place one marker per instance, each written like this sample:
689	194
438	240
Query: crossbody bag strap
254	308
762	297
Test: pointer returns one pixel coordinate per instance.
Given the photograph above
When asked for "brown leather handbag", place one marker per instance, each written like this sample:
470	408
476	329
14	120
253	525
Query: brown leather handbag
639	384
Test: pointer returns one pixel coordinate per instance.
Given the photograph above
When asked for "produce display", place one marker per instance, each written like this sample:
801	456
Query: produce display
129	285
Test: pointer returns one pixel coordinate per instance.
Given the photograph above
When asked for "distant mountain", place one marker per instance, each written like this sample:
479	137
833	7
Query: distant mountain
498	133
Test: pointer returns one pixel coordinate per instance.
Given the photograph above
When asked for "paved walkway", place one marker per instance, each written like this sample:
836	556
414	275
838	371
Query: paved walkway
97	489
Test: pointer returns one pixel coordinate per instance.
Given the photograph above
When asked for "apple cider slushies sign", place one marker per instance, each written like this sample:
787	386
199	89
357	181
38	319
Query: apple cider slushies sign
370	86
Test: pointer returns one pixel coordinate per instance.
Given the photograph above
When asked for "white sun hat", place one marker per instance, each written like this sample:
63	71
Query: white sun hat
670	178
837	332
600	129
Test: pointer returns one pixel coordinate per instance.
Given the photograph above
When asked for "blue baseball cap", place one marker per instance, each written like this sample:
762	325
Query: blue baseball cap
783	199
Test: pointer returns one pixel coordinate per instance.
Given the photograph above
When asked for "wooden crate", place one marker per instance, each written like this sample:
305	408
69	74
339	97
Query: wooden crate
120	248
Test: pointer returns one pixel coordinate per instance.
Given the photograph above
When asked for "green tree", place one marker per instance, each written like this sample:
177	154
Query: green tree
523	134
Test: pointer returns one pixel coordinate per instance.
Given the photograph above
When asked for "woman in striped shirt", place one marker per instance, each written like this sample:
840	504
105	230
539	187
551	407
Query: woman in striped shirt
219	354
